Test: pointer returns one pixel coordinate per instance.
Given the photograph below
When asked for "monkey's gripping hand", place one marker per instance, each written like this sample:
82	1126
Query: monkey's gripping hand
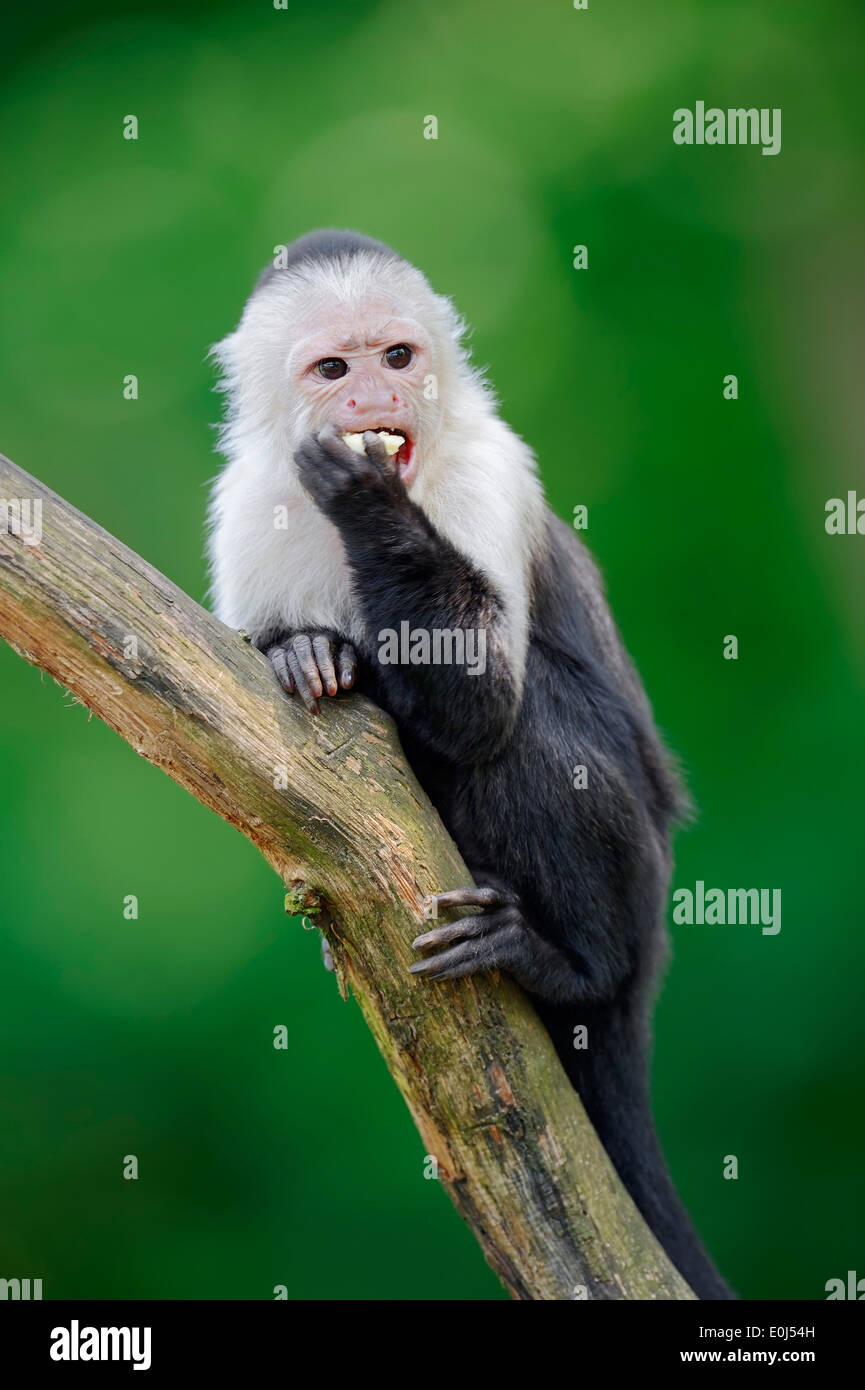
339	480
498	938
312	663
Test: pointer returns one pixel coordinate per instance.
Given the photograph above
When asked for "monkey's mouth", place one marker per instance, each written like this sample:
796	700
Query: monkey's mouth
404	457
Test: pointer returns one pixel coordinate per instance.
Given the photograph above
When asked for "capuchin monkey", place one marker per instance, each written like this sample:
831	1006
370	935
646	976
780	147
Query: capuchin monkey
432	516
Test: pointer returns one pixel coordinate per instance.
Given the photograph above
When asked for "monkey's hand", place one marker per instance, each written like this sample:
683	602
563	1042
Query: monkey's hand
339	480
312	663
498	938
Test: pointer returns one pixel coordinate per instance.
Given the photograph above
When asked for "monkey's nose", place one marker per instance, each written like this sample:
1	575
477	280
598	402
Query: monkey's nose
372	396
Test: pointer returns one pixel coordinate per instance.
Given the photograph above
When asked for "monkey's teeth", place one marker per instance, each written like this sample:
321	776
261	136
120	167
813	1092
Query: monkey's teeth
392	442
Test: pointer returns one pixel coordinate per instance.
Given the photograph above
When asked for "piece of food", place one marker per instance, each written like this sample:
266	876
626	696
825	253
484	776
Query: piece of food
392	442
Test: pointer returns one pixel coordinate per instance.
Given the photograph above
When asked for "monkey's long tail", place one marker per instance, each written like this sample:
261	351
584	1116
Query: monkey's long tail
612	1078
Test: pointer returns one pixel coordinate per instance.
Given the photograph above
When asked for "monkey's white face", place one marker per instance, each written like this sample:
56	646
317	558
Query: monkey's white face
362	367
360	342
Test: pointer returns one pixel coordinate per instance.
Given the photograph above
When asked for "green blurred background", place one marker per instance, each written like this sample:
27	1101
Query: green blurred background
154	1036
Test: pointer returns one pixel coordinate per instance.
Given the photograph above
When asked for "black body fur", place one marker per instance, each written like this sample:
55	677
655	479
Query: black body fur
585	872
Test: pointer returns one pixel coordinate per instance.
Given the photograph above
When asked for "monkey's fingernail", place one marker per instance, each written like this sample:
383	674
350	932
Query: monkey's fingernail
420	966
420	941
332	687
346	679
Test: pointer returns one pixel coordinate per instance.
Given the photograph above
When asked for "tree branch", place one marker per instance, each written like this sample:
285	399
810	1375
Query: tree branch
334	808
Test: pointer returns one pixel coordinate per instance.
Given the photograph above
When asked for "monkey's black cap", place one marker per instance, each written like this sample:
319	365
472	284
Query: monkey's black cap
326	245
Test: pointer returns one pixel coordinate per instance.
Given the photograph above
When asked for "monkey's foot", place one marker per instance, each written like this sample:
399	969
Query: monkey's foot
499	938
496	939
312	663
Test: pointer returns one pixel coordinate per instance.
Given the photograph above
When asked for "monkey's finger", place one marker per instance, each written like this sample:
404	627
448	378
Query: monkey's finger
347	662
472	896
308	458
308	451
318	470
376	452
452	931
331	465
463	959
303	689
330	440
329	437
276	657
302	648
321	645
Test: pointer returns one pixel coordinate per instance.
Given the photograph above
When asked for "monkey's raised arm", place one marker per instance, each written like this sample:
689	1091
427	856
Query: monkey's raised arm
405	572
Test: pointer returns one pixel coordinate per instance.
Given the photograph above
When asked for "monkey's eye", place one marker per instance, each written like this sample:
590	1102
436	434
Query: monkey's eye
398	356
331	368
